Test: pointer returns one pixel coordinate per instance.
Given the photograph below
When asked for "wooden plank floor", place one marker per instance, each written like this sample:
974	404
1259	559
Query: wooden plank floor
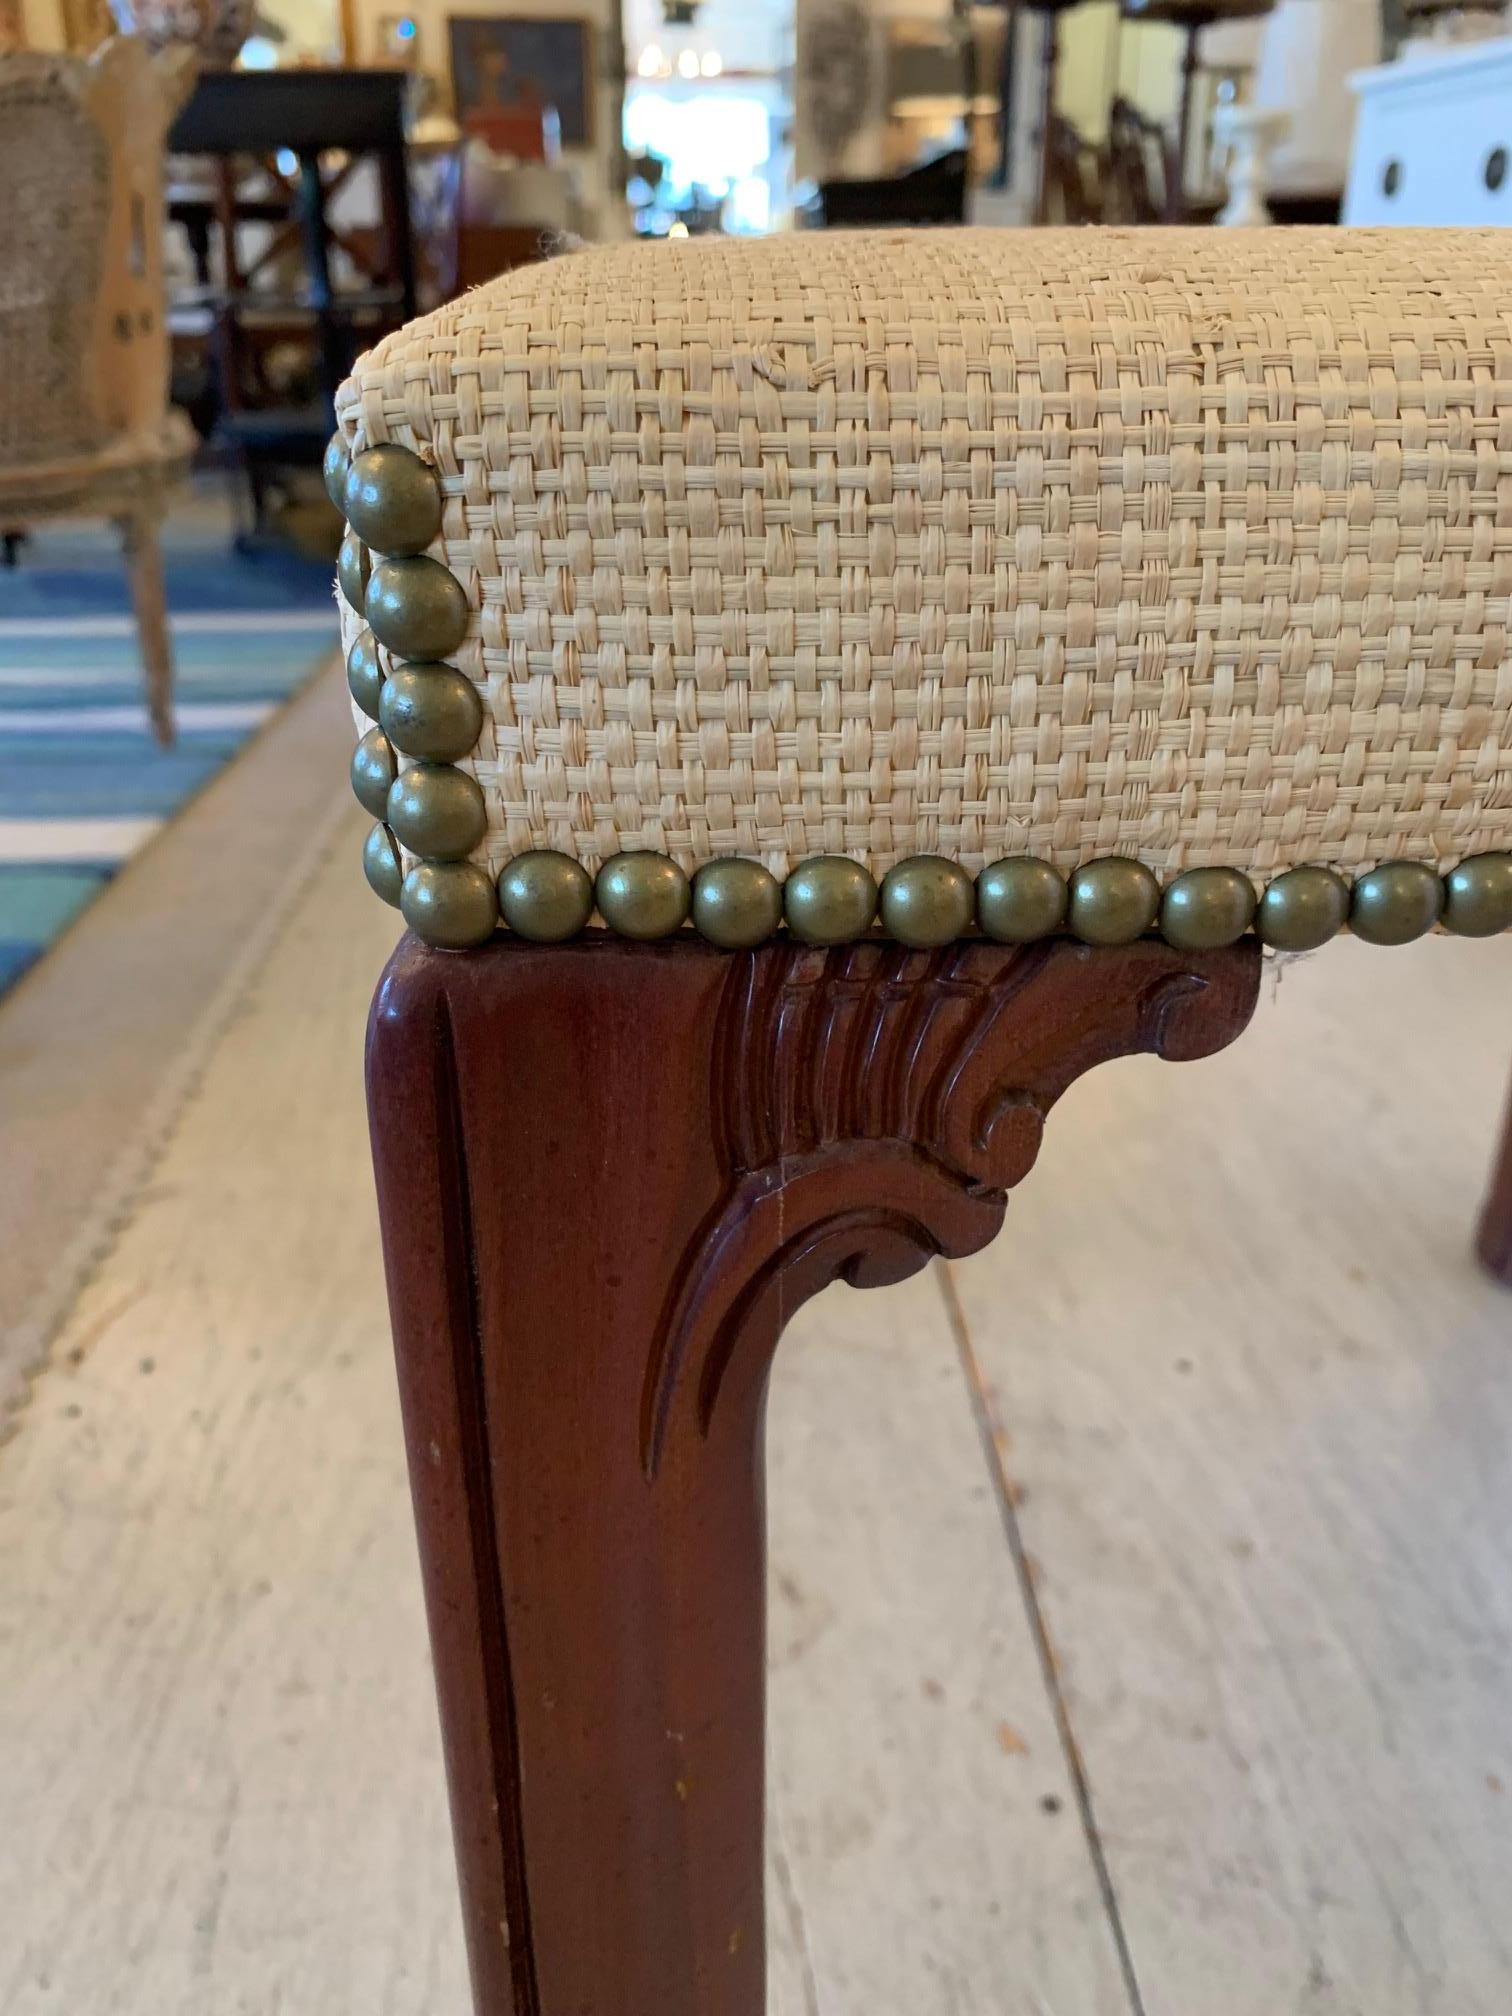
1256	1411
1140	1610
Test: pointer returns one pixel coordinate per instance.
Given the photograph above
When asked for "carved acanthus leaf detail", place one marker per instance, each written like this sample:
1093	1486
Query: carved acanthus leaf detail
874	1105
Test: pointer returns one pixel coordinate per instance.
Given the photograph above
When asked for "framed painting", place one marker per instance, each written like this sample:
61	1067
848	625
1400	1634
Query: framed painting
507	70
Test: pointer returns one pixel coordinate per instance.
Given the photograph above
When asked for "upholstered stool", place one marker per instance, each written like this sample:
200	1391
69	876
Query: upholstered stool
817	697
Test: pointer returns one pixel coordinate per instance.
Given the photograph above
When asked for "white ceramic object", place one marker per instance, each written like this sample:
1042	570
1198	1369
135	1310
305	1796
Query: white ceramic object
1434	140
1307	50
1246	134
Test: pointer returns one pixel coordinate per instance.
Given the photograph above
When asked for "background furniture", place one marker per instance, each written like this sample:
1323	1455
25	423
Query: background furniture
1308	51
1433	143
489	216
1048	14
1143	168
934	193
328	120
85	425
1018	648
1191	17
1075	172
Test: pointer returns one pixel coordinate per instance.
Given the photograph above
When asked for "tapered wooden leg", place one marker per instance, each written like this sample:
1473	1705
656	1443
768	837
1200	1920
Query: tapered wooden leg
607	1175
142	546
1493	1240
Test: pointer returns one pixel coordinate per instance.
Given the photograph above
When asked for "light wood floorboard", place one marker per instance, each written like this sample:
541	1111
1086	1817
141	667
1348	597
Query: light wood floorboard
97	1040
1254	1405
926	1853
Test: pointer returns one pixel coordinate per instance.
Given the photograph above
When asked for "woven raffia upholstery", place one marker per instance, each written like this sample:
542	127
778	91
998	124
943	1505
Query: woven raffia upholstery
1188	545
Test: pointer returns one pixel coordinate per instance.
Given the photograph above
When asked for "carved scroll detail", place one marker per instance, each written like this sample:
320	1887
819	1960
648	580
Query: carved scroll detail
872	1107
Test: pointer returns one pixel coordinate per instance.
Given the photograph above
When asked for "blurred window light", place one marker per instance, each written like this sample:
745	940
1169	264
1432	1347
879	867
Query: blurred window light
750	205
715	137
651	62
687	62
710	63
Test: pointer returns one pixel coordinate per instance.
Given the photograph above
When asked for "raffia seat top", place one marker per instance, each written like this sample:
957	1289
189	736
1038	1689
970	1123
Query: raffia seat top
1191	546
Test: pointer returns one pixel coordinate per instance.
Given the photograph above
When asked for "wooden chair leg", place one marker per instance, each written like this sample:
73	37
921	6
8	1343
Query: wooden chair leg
1493	1239
143	551
607	1174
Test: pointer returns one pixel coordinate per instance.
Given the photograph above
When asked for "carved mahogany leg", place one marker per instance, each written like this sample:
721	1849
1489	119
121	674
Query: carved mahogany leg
607	1175
1493	1239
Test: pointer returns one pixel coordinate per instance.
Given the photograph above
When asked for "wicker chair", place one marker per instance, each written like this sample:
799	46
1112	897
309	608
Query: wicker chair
942	661
85	425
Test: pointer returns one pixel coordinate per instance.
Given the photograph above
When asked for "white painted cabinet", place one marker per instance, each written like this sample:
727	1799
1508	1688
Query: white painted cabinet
1433	141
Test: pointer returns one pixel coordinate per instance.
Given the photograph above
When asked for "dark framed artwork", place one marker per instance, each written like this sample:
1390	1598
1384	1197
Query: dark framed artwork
505	68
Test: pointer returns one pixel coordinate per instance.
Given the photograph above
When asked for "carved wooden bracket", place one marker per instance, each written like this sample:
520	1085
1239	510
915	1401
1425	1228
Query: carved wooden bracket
873	1106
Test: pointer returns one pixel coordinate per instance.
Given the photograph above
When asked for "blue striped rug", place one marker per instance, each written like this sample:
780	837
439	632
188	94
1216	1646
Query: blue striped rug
82	783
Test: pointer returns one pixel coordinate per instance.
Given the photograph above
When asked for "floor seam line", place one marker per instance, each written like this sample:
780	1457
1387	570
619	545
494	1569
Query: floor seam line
1071	1756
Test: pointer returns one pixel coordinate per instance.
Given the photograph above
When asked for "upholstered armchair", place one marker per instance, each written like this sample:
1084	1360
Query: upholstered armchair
817	697
85	424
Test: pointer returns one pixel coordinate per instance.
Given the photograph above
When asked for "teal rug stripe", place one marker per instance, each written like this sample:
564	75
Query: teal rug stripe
75	746
35	905
105	777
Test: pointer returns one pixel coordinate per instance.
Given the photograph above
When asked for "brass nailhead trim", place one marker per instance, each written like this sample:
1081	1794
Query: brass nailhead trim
829	900
382	866
737	904
393	500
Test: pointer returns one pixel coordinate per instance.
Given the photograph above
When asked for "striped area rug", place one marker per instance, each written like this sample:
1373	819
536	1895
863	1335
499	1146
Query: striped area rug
82	783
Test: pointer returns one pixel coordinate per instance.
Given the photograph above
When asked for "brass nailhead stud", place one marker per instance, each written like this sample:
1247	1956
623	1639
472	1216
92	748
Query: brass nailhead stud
546	896
1478	896
1395	903
431	712
736	903
382	866
333	469
829	900
1302	909
642	895
416	607
1020	900
437	811
373	771
449	904
354	567
364	673
1206	908
1113	902
926	901
392	500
